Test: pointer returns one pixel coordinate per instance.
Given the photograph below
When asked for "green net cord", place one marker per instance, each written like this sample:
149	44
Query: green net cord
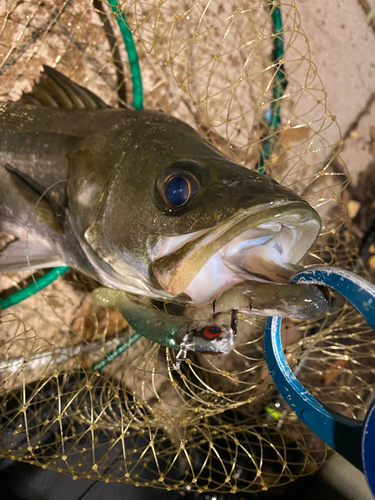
278	87
111	356
132	54
32	289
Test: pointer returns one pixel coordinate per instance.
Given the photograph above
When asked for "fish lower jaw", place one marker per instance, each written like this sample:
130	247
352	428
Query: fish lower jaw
265	253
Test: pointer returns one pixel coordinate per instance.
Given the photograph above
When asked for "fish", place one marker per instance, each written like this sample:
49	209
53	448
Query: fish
139	201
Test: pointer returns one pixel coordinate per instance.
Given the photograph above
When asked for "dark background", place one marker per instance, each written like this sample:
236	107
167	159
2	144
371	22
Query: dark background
337	480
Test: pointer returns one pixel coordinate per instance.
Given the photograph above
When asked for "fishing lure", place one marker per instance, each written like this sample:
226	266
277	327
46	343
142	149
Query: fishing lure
176	332
179	332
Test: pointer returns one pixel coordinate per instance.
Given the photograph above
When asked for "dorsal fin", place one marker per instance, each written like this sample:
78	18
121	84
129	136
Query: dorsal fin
55	90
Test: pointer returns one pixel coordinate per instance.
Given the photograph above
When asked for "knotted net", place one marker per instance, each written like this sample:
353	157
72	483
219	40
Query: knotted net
217	424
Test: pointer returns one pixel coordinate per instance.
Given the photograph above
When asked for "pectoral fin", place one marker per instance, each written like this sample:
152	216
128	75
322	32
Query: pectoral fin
21	256
46	208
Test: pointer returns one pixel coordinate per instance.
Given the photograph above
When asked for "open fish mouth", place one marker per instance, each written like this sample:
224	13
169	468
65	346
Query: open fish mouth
264	243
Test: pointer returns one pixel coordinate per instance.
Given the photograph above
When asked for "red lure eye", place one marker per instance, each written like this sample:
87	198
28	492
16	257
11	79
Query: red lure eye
212	331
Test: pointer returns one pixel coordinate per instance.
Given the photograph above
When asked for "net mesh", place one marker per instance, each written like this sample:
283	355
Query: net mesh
217	424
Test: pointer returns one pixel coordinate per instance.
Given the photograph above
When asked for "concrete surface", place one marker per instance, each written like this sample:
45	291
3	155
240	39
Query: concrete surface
342	43
358	143
343	48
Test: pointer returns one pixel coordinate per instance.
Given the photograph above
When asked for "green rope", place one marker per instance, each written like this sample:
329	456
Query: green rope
32	289
108	358
280	84
278	87
132	53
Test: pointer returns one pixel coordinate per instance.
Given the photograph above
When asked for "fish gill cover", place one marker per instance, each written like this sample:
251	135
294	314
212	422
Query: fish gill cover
217	424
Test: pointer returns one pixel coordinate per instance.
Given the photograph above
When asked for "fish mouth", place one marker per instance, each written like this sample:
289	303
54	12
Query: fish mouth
264	243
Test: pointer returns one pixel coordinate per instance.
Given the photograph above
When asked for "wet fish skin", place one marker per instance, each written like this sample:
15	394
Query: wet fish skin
141	148
105	165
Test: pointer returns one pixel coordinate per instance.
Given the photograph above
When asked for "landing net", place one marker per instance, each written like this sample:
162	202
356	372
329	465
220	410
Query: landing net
218	424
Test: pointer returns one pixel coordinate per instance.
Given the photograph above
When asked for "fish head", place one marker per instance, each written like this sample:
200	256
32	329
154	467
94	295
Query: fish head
157	204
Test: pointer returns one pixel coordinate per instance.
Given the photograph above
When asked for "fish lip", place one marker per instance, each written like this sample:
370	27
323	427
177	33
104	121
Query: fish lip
176	271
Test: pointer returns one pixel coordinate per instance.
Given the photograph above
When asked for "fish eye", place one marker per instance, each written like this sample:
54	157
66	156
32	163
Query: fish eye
177	191
177	185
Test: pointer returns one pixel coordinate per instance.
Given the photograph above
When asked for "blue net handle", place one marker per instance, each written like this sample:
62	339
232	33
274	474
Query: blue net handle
345	435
